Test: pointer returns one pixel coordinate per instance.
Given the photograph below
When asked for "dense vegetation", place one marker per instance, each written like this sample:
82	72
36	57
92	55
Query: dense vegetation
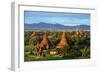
55	45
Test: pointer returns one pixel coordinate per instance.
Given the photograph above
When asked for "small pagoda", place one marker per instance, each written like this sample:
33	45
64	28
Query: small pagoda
79	33
33	34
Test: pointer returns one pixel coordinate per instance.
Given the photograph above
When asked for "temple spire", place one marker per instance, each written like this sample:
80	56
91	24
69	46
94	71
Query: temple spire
63	42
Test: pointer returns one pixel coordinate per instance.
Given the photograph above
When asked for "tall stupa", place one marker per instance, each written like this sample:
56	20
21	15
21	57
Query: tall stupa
63	42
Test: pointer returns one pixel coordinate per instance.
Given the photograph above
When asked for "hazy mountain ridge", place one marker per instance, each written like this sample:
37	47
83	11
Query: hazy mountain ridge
43	25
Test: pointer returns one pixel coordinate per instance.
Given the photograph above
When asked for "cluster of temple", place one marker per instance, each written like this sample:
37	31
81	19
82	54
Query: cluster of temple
44	44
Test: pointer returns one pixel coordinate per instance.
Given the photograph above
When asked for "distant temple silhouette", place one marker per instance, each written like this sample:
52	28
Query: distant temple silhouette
79	33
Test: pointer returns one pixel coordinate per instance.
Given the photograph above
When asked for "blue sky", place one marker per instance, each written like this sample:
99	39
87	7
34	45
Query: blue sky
67	19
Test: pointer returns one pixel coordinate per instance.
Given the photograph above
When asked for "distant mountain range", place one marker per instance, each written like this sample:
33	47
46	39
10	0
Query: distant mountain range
47	26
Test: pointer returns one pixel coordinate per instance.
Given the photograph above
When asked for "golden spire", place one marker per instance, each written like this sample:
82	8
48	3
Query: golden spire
63	42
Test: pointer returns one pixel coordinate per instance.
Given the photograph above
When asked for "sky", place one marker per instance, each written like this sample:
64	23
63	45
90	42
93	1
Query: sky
66	19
